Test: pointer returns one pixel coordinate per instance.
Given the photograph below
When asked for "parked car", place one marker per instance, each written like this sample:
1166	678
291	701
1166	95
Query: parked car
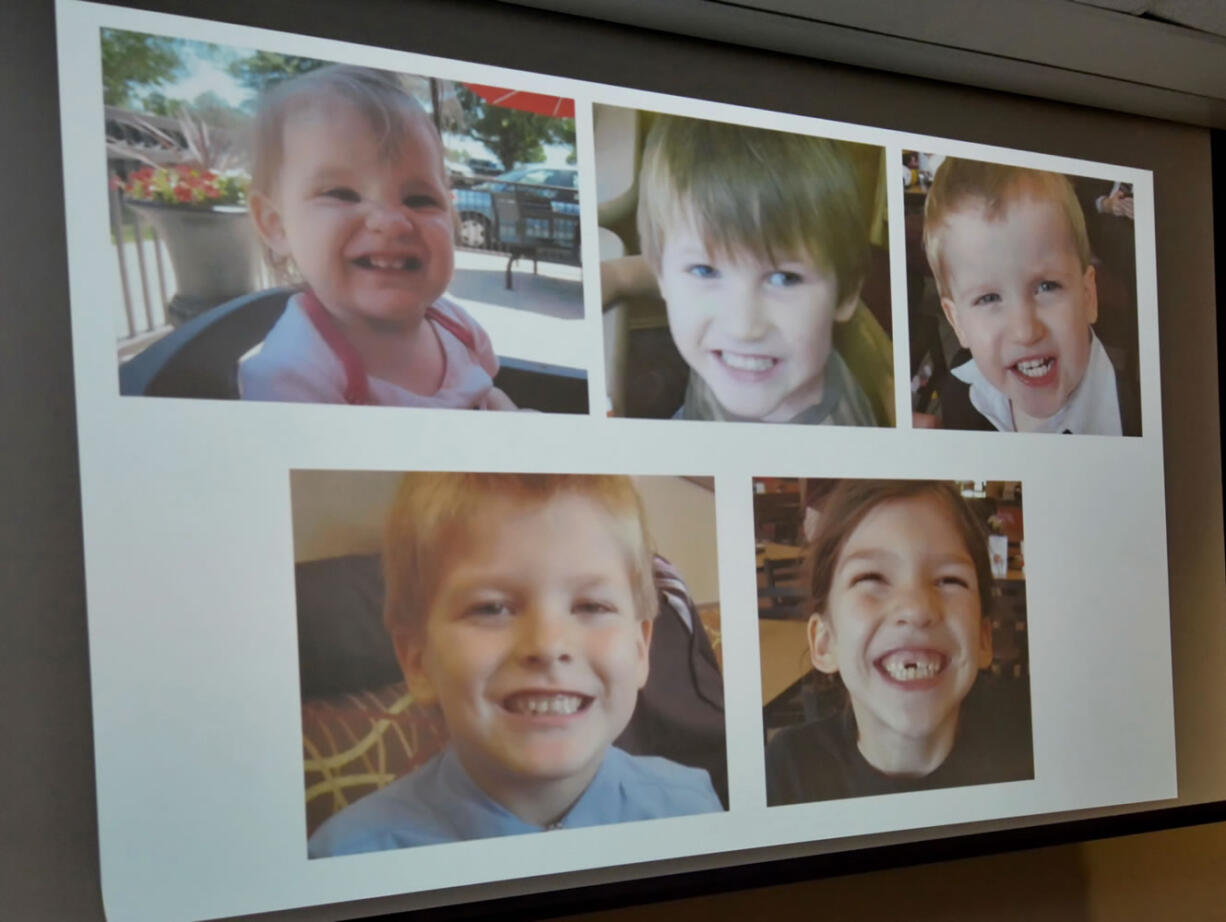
484	167
556	188
460	174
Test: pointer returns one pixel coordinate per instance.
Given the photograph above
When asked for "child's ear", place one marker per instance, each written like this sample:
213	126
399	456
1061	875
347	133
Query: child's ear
410	651
843	312
985	643
951	314
821	650
1090	294
643	649
268	222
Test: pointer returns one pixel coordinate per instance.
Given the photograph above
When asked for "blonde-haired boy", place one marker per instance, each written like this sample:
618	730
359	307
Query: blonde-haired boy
522	605
758	240
1011	258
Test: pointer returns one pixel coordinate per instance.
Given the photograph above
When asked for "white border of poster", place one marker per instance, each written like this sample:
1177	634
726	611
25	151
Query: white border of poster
188	554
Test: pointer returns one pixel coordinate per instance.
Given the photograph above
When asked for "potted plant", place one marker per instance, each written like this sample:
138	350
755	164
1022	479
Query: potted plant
199	208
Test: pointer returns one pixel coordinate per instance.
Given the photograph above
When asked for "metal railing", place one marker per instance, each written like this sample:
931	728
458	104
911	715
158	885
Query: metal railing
146	278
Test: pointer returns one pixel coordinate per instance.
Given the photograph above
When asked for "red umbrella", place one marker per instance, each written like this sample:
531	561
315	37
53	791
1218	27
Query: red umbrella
540	103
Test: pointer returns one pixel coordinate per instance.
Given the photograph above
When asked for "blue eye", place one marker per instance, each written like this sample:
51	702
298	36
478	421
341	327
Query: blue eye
702	271
1049	285
984	300
781	278
341	194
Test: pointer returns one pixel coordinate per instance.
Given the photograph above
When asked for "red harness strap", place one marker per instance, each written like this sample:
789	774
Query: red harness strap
357	382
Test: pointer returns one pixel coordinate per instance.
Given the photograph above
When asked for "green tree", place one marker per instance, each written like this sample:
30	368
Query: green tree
157	103
515	136
133	59
263	69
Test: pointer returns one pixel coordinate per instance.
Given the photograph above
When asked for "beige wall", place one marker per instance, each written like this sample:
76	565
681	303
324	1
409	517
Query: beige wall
341	512
682	519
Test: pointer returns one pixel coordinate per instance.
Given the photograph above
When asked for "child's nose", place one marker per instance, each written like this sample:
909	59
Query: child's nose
388	217
544	637
915	606
1024	323
743	314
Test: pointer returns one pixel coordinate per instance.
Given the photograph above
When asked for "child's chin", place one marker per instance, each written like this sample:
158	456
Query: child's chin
745	406
393	318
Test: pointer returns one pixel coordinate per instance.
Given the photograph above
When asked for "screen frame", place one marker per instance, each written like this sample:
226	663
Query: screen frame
46	550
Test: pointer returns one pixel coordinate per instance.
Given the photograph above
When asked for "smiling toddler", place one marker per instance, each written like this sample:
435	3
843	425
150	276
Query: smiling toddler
522	605
350	195
1011	258
900	583
758	240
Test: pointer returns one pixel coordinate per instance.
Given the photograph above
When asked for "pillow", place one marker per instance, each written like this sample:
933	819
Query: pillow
342	644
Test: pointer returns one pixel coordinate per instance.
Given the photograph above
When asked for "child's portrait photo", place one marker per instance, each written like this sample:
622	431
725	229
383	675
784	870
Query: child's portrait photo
744	272
1022	299
299	230
892	626
484	655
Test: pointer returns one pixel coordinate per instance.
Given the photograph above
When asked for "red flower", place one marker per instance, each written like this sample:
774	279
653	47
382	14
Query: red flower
183	194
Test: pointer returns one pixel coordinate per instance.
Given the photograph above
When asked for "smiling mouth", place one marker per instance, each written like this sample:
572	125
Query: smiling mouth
907	666
541	704
1036	371
398	263
746	362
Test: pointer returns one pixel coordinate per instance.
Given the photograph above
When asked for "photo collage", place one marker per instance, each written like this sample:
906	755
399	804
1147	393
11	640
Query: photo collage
589	608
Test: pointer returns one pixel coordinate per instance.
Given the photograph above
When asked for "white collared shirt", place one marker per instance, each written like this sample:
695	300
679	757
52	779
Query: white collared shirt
1092	409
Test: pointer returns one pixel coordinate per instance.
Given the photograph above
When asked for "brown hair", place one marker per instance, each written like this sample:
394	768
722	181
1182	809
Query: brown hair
770	193
959	184
433	512
378	95
848	504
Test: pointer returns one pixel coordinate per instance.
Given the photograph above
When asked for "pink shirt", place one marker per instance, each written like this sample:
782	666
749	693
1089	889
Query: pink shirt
306	359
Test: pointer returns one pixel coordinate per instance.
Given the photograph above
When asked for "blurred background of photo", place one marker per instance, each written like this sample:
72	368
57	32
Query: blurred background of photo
786	514
1108	209
177	113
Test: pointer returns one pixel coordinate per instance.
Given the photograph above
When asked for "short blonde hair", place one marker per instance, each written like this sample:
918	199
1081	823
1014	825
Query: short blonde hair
769	193
378	95
434	512
959	184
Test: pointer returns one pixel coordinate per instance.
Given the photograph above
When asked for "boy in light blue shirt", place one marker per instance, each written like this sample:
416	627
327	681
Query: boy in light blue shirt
523	606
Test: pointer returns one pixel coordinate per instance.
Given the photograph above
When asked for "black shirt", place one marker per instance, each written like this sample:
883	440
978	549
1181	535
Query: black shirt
820	760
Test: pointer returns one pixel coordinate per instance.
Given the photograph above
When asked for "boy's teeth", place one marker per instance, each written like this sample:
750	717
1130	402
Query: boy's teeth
912	666
1034	368
747	362
545	704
